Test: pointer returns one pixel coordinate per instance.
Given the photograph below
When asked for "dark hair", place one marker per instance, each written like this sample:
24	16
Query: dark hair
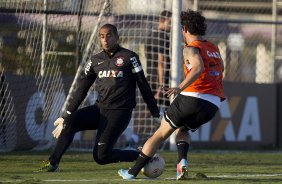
166	14
111	27
194	22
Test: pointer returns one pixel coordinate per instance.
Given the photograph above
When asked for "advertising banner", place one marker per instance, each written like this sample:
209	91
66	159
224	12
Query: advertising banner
247	119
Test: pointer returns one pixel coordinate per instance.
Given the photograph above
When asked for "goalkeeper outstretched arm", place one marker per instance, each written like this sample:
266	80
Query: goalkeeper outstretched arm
77	96
83	84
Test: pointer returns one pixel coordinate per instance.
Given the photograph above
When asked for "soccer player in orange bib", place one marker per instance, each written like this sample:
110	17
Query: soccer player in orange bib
198	96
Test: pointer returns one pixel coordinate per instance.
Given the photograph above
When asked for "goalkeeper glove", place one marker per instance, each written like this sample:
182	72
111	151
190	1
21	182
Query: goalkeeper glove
59	124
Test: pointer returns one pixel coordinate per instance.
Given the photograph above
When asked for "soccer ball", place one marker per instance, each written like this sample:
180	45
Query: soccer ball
155	167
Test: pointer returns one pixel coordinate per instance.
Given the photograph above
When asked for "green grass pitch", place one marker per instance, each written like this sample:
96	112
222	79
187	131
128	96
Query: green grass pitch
209	167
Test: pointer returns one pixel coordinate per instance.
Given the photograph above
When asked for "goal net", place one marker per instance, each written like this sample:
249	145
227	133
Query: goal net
52	41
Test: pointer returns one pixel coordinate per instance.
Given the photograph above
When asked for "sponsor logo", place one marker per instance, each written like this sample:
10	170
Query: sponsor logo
87	67
134	62
101	143
110	73
119	62
136	66
213	54
214	73
101	62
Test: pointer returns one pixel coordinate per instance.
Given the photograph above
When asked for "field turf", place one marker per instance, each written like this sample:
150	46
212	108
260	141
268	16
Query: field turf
209	167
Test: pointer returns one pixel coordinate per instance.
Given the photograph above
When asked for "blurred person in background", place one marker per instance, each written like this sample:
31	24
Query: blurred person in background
158	58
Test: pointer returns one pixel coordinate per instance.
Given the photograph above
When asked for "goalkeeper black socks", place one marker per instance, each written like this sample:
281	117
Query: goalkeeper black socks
183	148
141	161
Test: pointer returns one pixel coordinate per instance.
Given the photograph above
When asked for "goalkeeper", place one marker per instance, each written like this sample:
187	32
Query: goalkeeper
198	98
116	71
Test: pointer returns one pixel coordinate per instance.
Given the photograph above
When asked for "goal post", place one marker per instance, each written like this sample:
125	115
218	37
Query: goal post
176	53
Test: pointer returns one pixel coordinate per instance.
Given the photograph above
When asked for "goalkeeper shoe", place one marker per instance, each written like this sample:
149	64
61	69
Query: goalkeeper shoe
182	170
125	175
48	167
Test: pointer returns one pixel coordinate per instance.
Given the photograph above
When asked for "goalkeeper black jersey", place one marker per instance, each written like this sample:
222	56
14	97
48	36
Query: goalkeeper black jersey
115	77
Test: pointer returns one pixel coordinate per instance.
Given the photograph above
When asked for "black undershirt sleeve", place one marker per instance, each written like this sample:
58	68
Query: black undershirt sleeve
83	84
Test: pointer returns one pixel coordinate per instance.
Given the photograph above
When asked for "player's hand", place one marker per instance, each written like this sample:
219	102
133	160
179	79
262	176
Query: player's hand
157	119
159	93
171	91
59	127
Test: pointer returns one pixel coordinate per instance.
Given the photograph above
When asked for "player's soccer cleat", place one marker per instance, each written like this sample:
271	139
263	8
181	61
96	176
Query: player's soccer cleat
182	170
125	175
48	167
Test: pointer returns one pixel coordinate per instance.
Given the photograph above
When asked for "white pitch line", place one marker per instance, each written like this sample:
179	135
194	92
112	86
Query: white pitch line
146	179
215	176
82	180
245	175
93	180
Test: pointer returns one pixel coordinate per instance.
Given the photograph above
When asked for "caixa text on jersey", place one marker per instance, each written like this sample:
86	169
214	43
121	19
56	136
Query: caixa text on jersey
110	73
